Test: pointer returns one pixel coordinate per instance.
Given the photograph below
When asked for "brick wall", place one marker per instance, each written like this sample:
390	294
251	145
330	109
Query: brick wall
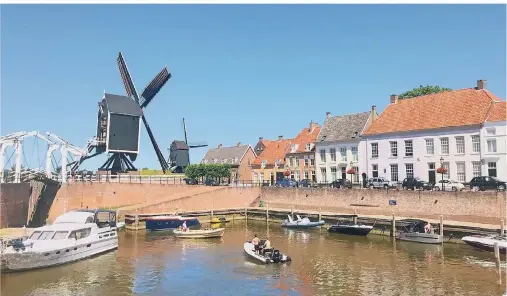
479	207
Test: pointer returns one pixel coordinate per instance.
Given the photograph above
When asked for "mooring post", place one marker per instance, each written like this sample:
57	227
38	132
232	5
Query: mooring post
497	260
393	229
320	213
211	213
267	213
246	213
502	227
442	226
355	217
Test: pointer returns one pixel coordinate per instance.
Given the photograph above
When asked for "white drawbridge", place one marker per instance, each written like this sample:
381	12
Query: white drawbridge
51	168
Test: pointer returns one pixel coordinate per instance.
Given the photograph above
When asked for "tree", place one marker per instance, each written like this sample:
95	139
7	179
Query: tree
211	171
422	91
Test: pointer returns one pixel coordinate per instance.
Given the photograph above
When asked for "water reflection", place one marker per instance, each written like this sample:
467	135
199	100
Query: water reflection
323	264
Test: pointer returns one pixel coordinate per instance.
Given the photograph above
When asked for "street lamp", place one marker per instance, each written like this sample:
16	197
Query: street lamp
442	171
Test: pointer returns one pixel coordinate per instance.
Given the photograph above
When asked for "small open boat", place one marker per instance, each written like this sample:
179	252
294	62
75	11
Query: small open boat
200	233
487	242
217	220
165	222
301	222
351	228
269	256
413	231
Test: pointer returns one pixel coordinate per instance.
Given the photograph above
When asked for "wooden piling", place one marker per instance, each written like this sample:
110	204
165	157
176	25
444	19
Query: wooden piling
502	227
442	226
497	262
320	214
354	219
246	213
393	226
267	213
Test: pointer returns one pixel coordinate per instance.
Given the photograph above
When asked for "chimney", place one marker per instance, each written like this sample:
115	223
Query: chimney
280	138
313	125
374	113
481	84
328	114
394	99
261	138
238	144
219	146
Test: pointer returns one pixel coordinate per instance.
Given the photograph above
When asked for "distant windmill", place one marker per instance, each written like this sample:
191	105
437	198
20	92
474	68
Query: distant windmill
179	156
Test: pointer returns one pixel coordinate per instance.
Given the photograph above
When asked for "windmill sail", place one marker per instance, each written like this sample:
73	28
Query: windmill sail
127	80
163	162
154	87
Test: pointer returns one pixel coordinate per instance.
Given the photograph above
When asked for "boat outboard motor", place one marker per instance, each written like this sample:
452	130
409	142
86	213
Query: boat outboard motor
276	256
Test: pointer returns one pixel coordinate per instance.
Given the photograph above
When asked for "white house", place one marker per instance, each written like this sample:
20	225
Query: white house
414	137
338	147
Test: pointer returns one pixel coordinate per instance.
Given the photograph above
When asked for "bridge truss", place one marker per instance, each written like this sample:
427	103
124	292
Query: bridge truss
21	169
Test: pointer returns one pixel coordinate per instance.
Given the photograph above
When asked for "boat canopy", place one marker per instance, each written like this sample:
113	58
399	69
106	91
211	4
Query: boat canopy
75	217
413	225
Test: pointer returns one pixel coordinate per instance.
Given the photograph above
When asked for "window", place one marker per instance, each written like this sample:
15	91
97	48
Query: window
35	235
476	143
308	147
255	177
430	148
61	235
333	173
492	169
409	149
313	176
447	175
263	163
332	152
294	147
307	175
409	170
307	161
394	172
81	233
323	174
490	131
394	148
343	153
296	175
460	145
46	235
323	155
312	160
476	168
354	153
292	175
355	177
374	150
374	169
444	145
492	145
460	171
296	161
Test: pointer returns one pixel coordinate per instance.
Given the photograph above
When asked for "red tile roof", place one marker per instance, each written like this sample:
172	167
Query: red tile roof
275	150
446	109
304	137
498	112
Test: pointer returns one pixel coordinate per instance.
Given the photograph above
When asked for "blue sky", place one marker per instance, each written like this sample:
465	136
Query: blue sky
239	71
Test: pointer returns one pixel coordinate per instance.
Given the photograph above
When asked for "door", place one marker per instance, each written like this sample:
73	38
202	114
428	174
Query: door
431	173
272	179
344	173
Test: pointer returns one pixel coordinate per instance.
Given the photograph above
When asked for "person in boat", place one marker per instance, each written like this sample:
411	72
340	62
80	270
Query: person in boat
266	246
427	227
255	242
184	226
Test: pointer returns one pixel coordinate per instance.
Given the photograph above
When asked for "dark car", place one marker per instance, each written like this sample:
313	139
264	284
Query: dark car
341	183
416	184
286	183
484	183
189	181
211	182
307	183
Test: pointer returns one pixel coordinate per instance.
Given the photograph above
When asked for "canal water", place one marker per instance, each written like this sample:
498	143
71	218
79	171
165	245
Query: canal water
323	264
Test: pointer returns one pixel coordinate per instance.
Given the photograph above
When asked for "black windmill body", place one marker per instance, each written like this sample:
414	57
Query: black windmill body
119	124
179	152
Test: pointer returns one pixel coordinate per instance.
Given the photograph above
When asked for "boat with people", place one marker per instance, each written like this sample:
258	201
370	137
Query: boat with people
73	236
165	222
219	220
487	242
267	255
351	228
199	233
419	231
301	222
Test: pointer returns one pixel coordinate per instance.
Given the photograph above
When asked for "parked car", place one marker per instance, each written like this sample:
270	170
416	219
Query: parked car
484	183
189	181
416	183
341	183
449	185
286	183
307	183
381	183
211	182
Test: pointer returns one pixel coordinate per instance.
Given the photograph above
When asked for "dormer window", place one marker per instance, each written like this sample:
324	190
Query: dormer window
263	163
309	147
294	147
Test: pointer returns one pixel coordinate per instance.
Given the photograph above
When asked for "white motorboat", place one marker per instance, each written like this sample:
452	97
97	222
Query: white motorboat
301	222
487	242
414	231
267	256
73	236
199	233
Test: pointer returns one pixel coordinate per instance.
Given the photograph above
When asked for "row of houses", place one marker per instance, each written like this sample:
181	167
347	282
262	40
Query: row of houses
462	130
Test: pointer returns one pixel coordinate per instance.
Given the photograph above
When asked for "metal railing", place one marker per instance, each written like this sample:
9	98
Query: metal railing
134	179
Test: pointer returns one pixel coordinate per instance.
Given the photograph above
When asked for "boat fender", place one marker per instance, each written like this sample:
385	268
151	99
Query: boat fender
288	259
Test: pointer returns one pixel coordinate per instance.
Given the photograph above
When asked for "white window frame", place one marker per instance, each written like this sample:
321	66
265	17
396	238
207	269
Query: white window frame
322	153
444	146
393	145
374	169
430	146
343	154
374	150
492	165
394	172
461	171
409	148
323	173
476	143
460	144
307	175
447	175
333	173
409	170
476	169
309	147
332	152
264	163
492	148
355	156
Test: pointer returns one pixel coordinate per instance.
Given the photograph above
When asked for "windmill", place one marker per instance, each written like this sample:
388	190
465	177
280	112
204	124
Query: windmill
179	152
118	124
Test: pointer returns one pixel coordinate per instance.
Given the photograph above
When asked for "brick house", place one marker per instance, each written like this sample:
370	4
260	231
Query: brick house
300	159
240	157
270	165
461	130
